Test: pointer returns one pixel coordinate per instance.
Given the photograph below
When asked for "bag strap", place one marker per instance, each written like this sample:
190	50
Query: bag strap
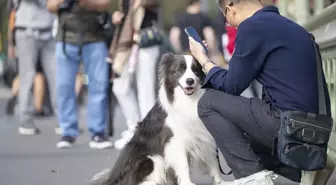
320	82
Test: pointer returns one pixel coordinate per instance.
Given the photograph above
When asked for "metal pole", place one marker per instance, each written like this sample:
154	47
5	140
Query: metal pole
283	7
319	6
302	11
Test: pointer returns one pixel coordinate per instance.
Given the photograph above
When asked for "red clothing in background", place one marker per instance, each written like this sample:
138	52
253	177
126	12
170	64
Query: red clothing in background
231	32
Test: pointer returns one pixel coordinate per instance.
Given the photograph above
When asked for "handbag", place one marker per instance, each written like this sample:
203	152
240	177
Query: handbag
11	70
150	36
302	137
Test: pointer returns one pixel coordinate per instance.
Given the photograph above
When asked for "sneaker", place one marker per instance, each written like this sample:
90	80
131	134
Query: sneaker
65	142
127	133
320	177
28	129
125	138
39	114
100	141
261	178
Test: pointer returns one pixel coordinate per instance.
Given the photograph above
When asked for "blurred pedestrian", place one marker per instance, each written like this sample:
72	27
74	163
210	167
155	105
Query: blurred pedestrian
195	18
80	38
33	38
135	55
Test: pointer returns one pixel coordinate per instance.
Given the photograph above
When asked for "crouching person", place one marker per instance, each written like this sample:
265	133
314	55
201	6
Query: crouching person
80	38
281	55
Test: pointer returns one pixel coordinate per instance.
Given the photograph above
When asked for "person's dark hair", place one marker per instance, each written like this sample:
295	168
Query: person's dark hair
222	3
191	2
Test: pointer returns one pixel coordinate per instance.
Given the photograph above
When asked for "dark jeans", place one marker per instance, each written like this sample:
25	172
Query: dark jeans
244	130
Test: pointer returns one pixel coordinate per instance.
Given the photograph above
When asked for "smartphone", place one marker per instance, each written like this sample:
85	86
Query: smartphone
191	32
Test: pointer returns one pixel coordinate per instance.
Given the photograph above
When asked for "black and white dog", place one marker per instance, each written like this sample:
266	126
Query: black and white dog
171	136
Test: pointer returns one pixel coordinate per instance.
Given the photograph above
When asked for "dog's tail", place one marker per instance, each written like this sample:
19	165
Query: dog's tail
220	167
101	177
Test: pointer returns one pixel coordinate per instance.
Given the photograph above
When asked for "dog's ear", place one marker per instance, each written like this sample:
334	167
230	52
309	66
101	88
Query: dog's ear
167	59
165	62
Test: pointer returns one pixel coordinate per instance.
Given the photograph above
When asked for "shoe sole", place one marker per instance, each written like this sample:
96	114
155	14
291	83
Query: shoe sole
63	144
105	145
27	131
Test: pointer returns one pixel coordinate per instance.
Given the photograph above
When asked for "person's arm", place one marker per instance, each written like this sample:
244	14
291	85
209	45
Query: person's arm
11	24
245	64
54	5
97	5
174	37
11	48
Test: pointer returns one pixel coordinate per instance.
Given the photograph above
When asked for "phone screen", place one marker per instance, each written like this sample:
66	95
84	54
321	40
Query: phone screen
190	31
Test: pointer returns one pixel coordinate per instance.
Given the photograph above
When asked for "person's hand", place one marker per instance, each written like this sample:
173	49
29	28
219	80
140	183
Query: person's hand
198	51
117	17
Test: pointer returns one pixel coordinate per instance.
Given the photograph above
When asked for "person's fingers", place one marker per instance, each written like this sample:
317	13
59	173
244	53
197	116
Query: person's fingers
191	39
204	42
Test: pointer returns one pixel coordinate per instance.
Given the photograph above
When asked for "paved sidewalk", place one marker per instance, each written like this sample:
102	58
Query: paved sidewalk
34	160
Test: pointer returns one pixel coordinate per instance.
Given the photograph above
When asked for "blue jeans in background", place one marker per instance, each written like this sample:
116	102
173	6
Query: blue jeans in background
96	68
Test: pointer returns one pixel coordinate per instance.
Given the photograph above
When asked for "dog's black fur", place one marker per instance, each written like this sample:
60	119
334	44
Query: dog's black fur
133	164
149	139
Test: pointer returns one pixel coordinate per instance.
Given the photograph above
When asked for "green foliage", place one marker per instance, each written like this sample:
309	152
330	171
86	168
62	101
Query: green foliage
3	25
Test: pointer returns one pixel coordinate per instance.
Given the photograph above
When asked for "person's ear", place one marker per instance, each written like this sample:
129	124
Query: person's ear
232	11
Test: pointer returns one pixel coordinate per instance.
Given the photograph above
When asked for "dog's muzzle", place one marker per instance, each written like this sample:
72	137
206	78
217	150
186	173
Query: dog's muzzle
189	90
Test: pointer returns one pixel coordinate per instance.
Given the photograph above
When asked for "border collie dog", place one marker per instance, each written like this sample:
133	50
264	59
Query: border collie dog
171	137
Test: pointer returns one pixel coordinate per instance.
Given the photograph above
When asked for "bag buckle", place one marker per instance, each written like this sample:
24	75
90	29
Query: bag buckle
307	133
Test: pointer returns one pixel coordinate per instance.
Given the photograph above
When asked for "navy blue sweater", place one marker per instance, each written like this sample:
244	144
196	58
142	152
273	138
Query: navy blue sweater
279	54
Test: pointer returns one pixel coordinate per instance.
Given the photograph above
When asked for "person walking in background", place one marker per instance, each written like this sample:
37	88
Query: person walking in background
140	57
195	18
80	38
33	38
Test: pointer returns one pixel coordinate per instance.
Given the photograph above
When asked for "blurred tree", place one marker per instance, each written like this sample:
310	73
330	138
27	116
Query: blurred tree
3	26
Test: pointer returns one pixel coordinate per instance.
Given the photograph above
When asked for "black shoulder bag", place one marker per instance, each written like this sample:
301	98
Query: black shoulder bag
302	139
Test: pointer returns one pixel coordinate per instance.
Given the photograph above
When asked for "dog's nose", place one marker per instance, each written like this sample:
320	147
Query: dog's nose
190	81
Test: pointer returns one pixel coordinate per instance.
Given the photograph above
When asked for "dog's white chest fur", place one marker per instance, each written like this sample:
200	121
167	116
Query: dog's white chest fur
191	140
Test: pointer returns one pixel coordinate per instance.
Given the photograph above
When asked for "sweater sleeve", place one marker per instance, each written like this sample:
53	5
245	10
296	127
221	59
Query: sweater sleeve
245	64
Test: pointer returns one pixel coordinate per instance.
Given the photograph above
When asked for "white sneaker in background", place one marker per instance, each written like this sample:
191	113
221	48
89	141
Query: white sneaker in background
126	136
261	178
127	133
